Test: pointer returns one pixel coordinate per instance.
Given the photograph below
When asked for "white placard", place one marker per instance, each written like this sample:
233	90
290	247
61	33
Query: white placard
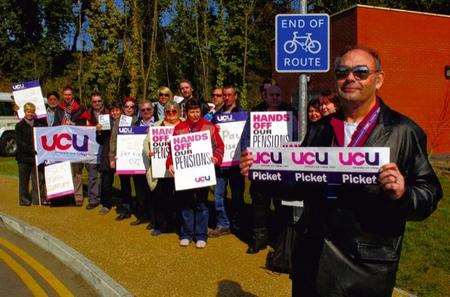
191	155
270	128
178	99
160	145
231	127
125	121
329	165
29	91
58	180
105	121
130	154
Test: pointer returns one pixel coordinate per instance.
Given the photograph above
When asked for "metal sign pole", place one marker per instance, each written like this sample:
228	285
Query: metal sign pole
302	111
302	91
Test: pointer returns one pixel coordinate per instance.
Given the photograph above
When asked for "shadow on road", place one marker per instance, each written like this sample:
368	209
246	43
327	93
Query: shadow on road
229	288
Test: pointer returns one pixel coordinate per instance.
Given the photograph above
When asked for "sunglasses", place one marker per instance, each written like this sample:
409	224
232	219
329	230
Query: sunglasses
96	101
217	95
162	94
360	72
129	106
146	109
171	111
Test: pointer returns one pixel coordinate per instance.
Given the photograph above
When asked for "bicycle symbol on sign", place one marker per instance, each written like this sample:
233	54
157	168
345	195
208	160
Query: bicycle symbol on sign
306	42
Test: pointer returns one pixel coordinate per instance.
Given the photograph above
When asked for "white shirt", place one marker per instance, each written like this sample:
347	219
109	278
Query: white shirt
349	129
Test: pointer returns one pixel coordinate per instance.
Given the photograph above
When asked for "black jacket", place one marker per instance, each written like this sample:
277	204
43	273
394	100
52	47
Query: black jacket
25	141
351	246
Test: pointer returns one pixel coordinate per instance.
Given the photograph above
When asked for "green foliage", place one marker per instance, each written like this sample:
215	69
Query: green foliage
132	47
424	265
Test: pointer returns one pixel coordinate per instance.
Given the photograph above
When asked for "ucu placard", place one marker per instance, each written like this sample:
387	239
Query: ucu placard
310	158
66	143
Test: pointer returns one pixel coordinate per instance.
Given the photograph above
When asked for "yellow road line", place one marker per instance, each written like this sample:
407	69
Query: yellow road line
26	278
49	277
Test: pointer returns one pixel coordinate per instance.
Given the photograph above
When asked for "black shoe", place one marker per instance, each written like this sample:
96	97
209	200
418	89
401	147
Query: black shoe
138	222
123	216
24	202
92	205
255	248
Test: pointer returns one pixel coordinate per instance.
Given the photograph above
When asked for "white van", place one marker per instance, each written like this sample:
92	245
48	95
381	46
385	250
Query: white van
8	121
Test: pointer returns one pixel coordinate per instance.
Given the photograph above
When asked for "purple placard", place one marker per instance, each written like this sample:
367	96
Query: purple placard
25	85
61	194
133	130
129	172
314	177
230	117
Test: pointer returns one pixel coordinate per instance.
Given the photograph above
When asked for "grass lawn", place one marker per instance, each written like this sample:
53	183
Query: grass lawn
425	261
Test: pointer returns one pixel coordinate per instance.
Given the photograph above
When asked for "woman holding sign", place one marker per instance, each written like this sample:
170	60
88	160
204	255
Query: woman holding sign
194	211
156	145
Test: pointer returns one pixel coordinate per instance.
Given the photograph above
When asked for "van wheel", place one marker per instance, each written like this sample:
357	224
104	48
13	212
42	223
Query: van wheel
8	144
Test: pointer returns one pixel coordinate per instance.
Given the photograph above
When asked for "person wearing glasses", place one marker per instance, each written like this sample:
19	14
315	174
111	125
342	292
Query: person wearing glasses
129	107
164	96
163	189
349	238
228	175
144	203
215	105
192	203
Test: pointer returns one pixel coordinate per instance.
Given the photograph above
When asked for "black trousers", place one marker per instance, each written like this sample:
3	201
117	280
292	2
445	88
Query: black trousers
141	206
27	173
263	194
106	186
164	204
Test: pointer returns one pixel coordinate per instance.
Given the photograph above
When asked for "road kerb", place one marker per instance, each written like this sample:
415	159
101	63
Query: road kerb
93	275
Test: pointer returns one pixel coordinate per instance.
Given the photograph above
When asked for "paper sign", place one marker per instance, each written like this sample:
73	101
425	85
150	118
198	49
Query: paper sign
270	128
231	126
104	120
332	165
130	151
29	91
160	144
66	143
191	155
125	121
58	180
178	99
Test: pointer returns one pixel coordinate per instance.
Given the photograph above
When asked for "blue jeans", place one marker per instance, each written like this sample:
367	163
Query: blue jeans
224	176
194	214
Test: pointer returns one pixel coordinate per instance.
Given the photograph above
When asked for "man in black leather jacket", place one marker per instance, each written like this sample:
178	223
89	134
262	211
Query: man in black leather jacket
350	246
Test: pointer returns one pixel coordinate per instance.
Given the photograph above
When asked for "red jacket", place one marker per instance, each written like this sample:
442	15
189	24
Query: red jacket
202	125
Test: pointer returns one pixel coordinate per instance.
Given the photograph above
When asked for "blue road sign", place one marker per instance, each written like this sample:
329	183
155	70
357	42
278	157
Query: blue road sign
302	42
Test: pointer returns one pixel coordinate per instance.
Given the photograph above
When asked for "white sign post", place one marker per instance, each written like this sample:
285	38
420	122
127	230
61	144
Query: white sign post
31	92
191	155
58	180
160	144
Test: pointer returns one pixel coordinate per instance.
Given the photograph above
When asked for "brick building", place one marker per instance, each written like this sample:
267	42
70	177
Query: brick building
414	49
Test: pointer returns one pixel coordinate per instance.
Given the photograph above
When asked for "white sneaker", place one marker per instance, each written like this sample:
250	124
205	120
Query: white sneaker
184	242
200	244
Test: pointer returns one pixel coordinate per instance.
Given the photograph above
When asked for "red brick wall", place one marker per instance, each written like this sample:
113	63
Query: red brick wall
414	50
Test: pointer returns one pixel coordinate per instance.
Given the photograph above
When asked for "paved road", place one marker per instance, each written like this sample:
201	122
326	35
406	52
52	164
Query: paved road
26	270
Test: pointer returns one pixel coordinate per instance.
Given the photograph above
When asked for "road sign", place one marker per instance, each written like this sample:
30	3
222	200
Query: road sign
302	42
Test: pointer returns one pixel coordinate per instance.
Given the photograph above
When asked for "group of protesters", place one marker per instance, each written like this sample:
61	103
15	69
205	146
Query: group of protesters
348	240
156	202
